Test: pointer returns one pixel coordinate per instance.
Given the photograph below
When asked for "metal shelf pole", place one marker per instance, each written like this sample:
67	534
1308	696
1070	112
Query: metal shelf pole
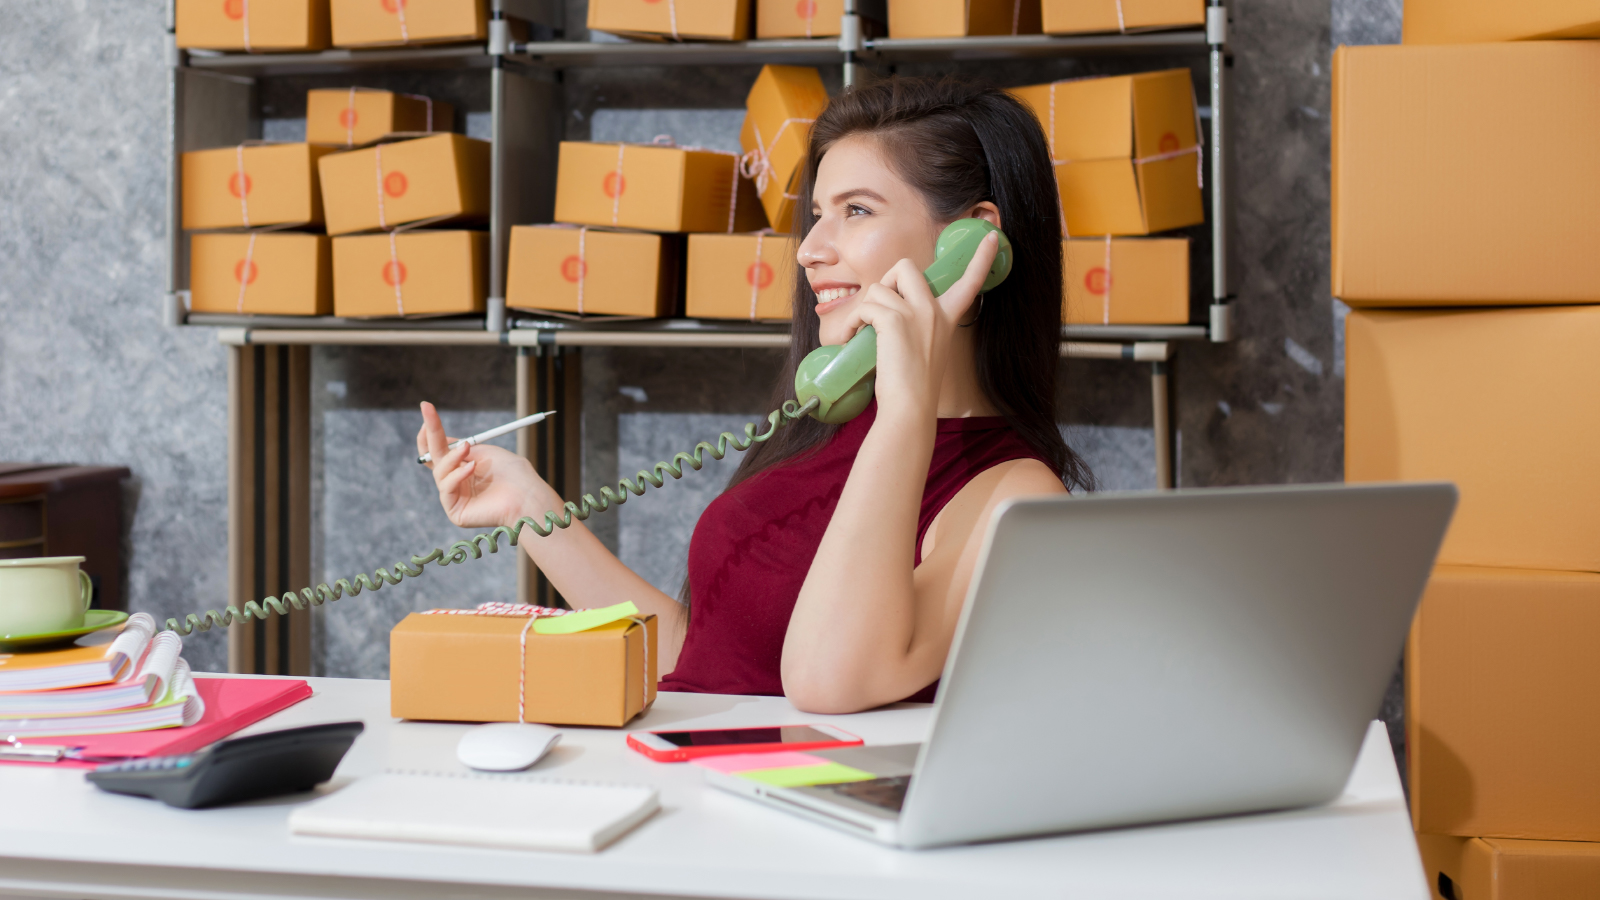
1221	314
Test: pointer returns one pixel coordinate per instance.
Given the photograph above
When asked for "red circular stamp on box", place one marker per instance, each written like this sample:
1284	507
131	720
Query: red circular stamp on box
806	9
239	273
233	9
392	6
1097	280
233	184
759	275
394	272
395	184
347	117
613	184
573	268
1169	142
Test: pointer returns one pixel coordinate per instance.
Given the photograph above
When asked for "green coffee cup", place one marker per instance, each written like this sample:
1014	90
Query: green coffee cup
42	595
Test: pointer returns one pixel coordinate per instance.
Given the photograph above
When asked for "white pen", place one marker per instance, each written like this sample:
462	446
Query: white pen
493	433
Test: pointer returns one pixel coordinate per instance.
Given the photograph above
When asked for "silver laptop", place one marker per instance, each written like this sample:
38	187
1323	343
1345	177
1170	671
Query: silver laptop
1136	658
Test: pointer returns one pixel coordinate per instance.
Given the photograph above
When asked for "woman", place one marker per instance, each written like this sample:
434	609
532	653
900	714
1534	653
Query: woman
834	567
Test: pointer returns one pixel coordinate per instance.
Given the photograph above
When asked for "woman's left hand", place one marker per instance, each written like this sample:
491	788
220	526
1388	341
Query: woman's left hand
915	329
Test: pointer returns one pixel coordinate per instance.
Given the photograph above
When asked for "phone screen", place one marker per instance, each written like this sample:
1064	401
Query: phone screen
787	734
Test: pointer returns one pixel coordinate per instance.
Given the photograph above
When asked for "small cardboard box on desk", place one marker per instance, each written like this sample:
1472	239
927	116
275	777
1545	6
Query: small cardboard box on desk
440	178
284	273
371	23
1126	151
962	18
1088	16
592	271
353	117
508	663
410	273
779	110
252	186
1125	281
740	276
654	187
241	25
699	20
1465	175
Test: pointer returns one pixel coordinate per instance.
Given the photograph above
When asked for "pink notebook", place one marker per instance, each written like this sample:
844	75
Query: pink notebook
231	704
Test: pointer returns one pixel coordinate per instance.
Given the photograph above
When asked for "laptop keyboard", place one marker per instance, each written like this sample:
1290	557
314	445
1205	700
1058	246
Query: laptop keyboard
884	793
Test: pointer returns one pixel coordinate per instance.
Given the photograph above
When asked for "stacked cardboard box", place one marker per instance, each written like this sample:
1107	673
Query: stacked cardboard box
626	212
1465	204
1128	162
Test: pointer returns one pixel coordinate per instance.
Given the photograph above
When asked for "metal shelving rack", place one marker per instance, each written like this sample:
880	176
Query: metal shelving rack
213	104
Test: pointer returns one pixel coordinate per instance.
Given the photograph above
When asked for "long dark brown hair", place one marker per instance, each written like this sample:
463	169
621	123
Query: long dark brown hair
959	143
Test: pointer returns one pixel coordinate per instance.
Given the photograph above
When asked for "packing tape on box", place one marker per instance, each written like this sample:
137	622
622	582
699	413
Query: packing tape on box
534	614
350	112
665	140
757	164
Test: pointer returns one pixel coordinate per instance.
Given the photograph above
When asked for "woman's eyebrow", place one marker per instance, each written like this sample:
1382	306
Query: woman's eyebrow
857	192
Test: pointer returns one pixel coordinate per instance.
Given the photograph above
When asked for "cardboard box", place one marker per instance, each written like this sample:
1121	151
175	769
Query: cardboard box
466	668
444	177
1458	868
962	18
1465	175
654	187
1125	281
1501	687
252	186
700	20
282	273
1482	21
740	276
816	18
355	116
253	26
1503	402
592	271
779	110
369	23
1084	16
1126	152
410	273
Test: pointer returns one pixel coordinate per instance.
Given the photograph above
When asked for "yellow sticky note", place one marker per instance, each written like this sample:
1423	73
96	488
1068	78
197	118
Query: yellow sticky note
583	620
802	776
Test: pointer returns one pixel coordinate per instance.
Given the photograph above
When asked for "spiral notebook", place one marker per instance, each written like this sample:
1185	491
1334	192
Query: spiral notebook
506	812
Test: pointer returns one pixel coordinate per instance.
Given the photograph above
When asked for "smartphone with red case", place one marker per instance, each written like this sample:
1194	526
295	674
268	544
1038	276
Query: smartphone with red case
680	746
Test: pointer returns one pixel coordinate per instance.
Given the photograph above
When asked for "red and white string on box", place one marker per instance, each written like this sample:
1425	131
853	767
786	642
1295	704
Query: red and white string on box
755	273
672	18
666	140
1105	284
244	270
244	16
757	164
400	13
1122	21
583	263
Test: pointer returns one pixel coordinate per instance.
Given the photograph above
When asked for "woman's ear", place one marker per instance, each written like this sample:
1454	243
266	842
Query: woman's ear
986	211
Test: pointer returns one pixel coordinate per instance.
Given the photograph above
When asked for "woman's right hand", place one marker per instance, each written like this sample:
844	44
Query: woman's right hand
480	486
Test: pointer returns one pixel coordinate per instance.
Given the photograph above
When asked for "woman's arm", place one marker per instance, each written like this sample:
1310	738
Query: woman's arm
483	486
867	628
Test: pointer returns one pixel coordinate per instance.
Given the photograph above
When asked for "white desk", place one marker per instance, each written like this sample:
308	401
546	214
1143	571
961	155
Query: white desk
60	837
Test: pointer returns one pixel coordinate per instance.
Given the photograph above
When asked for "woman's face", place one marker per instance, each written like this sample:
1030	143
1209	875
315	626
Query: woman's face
868	219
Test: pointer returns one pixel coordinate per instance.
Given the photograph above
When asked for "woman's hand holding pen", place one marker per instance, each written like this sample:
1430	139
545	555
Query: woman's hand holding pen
480	485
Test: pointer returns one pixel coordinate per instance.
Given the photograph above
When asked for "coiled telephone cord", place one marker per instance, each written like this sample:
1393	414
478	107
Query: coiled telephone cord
471	548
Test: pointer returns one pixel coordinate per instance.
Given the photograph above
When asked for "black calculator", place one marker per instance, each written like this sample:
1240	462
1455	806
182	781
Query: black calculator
247	768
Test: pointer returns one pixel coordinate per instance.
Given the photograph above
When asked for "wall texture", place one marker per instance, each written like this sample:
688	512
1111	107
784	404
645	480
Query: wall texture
88	373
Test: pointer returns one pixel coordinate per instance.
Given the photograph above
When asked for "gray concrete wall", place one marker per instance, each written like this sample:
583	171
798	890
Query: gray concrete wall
88	373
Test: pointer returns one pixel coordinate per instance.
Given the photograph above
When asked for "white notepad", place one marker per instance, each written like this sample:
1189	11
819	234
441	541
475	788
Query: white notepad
507	812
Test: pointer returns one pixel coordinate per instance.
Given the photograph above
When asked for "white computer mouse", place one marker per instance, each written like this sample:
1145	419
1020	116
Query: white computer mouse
506	746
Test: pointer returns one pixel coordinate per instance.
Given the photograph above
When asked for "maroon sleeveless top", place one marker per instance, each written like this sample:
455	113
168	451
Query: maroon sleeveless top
754	544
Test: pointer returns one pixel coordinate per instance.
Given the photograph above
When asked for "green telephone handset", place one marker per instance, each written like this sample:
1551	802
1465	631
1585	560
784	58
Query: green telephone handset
833	384
839	376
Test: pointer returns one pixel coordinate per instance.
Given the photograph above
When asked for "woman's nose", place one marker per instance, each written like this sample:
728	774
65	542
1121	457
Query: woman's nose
817	248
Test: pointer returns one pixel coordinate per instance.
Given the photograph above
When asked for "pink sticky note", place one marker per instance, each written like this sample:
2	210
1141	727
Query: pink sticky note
745	762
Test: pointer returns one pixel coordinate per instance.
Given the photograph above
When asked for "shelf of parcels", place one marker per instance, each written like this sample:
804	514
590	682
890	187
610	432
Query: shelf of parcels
333	62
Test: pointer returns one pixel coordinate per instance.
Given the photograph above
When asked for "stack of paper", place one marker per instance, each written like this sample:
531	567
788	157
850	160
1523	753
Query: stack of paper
135	681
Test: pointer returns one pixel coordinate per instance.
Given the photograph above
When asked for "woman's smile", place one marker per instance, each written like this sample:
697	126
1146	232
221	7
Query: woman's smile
832	295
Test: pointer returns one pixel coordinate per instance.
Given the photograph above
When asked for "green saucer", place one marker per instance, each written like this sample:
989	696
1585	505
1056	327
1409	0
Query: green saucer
94	620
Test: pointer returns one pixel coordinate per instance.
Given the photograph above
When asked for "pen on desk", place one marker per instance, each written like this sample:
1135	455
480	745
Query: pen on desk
493	433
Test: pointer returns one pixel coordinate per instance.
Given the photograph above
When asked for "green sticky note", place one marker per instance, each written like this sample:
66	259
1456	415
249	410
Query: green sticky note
583	620
803	776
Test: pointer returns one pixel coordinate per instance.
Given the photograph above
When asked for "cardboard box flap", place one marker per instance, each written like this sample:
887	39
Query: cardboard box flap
1163	113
